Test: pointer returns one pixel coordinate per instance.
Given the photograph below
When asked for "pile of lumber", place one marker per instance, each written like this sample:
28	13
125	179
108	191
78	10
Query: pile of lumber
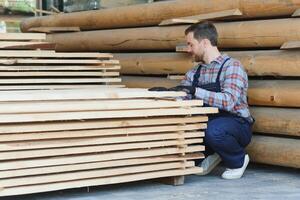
265	40
26	62
69	138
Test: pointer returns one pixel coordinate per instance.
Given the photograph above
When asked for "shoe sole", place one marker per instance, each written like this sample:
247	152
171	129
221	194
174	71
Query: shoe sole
210	168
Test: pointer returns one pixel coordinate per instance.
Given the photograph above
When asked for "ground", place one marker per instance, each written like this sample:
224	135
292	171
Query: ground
259	182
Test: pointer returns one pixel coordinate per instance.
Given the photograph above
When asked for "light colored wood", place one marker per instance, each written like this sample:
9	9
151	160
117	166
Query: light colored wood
279	121
26	45
40	117
44	179
55	87
176	77
96	165
275	151
92	149
148	82
21	68
89	93
148	14
56	61
99	132
228	14
71	142
264	34
59	80
87	158
283	93
91	105
54	29
291	45
296	13
101	181
50	54
96	124
256	63
22	36
59	74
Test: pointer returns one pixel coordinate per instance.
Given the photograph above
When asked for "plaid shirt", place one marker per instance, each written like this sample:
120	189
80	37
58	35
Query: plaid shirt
233	81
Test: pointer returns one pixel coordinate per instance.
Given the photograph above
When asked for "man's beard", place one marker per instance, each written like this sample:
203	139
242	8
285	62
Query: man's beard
198	58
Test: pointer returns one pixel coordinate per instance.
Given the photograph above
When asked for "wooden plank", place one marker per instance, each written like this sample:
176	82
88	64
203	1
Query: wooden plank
92	105
56	61
87	158
58	67
27	45
225	14
296	13
59	74
70	142
176	77
96	165
94	182
181	48
98	132
22	36
58	80
54	29
39	117
97	124
58	86
77	94
50	54
71	176
40	153
290	45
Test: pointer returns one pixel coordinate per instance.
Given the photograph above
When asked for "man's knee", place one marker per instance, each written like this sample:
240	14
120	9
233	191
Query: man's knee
214	137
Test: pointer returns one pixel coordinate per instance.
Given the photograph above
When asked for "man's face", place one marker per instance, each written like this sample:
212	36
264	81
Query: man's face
195	47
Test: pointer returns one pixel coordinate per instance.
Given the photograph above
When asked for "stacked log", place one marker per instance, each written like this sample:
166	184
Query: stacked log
69	138
258	42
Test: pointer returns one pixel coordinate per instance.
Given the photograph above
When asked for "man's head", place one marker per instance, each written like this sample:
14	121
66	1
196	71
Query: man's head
201	37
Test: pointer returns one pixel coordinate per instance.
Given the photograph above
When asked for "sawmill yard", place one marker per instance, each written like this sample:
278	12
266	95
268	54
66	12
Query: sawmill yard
78	121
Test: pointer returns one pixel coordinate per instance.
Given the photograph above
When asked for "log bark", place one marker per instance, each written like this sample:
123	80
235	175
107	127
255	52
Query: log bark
279	121
256	63
246	34
146	14
275	151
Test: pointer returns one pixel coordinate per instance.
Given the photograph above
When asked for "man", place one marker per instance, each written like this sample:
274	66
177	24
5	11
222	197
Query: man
220	81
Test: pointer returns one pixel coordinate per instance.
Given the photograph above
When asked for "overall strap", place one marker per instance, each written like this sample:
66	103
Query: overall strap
196	76
220	70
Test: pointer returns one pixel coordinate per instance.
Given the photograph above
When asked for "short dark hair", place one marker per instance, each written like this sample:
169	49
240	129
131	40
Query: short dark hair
204	30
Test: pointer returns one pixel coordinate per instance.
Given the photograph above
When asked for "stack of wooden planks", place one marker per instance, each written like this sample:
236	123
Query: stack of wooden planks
23	65
69	138
267	44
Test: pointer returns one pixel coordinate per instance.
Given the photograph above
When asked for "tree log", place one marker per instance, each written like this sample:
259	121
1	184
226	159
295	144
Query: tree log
283	93
256	63
275	151
279	121
246	34
147	14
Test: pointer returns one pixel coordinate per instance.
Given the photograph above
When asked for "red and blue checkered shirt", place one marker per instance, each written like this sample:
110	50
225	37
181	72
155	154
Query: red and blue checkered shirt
233	82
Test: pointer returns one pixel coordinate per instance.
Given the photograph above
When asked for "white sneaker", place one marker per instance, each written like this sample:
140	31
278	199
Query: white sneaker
236	173
209	163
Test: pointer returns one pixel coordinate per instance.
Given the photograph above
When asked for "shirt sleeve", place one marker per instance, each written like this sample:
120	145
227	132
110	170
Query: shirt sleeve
233	85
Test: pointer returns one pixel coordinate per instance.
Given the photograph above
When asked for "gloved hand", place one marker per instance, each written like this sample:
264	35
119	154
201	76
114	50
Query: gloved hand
158	89
188	89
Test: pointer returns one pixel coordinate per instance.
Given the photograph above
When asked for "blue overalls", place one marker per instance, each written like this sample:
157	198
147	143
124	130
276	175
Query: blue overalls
227	134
